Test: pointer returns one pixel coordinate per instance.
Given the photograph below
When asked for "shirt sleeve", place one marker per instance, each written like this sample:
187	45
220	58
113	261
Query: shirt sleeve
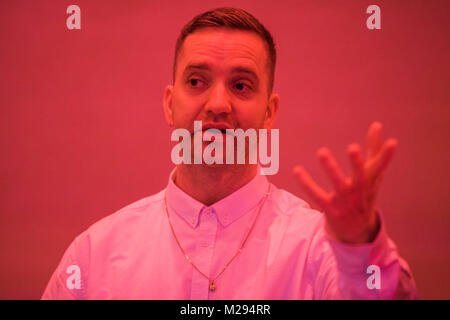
69	280
367	271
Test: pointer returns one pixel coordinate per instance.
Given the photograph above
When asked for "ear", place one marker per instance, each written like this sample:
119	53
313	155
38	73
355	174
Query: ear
271	111
167	105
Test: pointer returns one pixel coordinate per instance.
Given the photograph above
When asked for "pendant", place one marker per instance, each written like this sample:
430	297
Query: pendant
212	286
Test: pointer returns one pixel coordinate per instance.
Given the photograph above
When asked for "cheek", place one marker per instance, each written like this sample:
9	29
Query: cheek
185	110
251	116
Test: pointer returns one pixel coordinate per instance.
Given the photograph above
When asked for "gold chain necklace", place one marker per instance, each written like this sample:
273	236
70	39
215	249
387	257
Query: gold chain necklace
212	285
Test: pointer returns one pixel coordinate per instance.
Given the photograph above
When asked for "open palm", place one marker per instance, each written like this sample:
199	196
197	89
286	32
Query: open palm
350	209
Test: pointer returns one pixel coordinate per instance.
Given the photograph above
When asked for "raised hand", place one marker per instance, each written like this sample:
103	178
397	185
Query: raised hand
350	209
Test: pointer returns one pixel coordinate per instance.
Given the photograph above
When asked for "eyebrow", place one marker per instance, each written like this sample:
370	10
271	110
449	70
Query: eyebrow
207	67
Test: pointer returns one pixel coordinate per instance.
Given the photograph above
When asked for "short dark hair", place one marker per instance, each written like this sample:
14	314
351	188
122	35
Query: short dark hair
230	18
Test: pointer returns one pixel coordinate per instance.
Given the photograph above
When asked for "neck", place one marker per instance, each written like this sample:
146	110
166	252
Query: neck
209	184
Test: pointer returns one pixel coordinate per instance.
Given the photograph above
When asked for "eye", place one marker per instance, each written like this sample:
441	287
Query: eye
196	83
242	86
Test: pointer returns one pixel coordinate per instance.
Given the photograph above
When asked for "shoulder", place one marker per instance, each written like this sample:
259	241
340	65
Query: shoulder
291	205
300	220
127	220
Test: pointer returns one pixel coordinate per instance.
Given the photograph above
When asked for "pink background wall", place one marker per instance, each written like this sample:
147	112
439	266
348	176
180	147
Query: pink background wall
83	134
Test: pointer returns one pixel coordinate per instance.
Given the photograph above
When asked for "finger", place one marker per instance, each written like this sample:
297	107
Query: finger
357	161
382	160
311	187
332	169
374	139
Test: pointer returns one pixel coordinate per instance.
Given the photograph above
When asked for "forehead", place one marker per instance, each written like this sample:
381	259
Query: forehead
224	48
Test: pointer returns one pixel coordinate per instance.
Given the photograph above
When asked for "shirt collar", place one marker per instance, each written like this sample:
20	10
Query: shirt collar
227	209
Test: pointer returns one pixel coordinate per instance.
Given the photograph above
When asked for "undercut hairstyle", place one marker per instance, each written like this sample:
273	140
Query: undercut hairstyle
233	19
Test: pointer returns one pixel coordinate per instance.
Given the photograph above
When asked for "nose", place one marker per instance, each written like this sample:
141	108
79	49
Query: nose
218	100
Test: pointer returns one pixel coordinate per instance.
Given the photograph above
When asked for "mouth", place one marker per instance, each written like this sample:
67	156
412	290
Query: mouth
223	131
216	127
222	127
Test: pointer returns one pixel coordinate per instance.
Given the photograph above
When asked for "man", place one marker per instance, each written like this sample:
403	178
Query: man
222	231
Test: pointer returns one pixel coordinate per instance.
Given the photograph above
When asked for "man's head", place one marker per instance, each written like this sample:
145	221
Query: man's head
223	73
232	19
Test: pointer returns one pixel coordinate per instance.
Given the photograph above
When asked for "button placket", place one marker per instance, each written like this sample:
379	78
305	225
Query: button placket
207	229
